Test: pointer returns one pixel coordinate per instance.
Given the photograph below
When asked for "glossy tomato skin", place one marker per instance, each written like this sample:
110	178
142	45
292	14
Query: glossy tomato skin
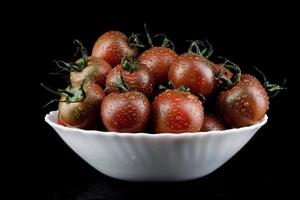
81	114
195	72
212	123
158	60
139	80
176	111
125	112
95	71
113	46
244	104
113	77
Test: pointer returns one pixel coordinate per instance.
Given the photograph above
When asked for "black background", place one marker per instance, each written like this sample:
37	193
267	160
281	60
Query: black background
248	34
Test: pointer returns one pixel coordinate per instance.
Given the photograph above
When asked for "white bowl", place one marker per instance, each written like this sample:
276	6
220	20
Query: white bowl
155	157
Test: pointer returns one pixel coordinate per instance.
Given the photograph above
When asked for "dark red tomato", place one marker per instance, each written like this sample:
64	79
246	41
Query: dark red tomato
81	107
212	123
244	104
125	112
176	111
158	60
137	79
113	76
95	71
113	46
195	72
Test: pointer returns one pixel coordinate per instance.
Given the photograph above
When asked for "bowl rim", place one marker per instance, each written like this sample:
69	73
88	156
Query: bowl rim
124	134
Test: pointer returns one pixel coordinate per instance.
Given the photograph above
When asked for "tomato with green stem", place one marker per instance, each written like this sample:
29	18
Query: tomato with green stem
88	69
128	111
136	77
194	70
158	59
247	102
78	106
95	71
113	46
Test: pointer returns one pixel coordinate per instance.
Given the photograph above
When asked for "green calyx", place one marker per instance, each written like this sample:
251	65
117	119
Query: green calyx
80	64
78	94
171	85
183	88
120	84
71	95
130	65
272	89
201	48
234	79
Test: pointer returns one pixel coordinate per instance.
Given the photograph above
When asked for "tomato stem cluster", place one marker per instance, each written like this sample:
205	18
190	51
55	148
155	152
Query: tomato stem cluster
206	50
234	79
134	41
167	43
120	84
71	95
80	64
130	65
171	85
271	88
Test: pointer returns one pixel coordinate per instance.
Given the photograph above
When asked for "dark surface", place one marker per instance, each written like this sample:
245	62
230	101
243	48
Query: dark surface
251	35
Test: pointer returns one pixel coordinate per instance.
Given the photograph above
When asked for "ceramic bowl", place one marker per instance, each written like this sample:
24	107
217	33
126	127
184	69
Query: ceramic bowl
154	157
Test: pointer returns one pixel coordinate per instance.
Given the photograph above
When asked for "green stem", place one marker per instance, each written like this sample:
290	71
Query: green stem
50	90
120	84
65	93
148	36
162	87
69	67
272	89
83	51
129	64
134	41
167	43
234	79
206	50
50	102
195	46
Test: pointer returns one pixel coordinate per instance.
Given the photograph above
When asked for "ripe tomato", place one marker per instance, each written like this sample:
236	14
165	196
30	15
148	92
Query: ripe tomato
158	60
195	72
134	75
212	123
79	106
125	112
177	111
244	104
113	46
95	71
88	69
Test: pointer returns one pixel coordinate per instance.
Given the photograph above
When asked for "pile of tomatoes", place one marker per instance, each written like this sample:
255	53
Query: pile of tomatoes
121	88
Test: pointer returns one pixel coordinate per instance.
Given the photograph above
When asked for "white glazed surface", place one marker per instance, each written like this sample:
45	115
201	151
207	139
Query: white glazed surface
154	157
